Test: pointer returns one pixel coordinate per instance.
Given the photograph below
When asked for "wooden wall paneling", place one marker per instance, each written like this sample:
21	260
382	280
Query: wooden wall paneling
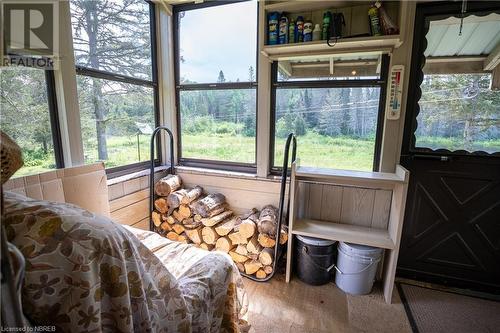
381	209
357	206
142	224
315	200
115	191
131	186
131	214
303	202
127	200
331	203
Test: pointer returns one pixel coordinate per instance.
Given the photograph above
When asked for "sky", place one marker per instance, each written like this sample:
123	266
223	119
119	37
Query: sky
219	38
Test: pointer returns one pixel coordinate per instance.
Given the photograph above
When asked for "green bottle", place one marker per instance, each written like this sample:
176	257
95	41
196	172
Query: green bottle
327	19
291	32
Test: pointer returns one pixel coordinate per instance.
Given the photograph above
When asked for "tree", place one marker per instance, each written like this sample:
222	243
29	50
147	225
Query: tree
221	78
251	74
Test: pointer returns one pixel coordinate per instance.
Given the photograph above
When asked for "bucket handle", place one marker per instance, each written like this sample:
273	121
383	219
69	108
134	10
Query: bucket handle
328	269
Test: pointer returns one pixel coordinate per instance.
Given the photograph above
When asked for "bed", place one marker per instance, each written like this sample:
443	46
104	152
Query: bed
86	273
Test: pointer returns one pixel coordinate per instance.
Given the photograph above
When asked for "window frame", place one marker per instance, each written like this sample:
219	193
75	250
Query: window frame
105	75
199	162
349	83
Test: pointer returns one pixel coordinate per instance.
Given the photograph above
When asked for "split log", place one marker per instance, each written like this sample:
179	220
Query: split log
206	205
167	185
238	257
165	227
172	236
197	217
218	210
240	266
184	211
253	256
192	195
226	227
178	228
260	274
268	269
246	228
253	245
241	249
205	246
174	199
266	257
161	205
224	244
268	220
182	239
253	215
194	235
237	238
283	236
171	220
252	266
156	217
177	216
190	223
211	221
266	241
209	235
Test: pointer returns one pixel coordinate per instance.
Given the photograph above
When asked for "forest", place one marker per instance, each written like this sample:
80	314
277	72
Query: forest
335	126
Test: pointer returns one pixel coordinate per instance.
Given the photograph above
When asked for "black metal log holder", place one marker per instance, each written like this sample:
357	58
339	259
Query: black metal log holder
281	217
284	174
152	169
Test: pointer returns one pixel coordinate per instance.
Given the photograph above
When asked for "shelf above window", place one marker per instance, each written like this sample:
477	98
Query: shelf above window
345	45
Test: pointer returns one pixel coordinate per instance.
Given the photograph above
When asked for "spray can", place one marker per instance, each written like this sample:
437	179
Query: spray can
308	29
291	32
374	21
283	29
327	19
299	31
272	28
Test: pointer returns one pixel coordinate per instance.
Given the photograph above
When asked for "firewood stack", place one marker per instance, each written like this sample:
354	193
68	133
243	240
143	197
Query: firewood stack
207	221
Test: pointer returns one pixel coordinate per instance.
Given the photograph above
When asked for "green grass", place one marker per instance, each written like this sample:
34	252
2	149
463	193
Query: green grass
313	150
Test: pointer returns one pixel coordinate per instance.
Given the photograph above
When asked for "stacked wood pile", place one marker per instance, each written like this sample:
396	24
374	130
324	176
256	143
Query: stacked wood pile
207	221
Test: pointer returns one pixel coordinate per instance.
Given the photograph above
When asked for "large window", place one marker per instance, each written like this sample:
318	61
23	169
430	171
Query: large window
216	82
114	47
334	106
28	116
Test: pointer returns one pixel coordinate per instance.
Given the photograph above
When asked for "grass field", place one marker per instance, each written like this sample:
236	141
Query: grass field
313	150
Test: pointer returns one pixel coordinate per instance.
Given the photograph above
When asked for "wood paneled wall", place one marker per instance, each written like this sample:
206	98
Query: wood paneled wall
343	204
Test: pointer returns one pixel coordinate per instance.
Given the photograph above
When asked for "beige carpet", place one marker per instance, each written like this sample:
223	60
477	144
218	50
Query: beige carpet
280	307
436	311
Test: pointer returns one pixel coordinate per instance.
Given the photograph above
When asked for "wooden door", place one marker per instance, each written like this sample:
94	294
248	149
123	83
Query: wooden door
451	147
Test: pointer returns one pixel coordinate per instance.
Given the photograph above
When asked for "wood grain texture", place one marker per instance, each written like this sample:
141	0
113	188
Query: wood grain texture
357	206
315	200
331	203
128	200
131	214
381	209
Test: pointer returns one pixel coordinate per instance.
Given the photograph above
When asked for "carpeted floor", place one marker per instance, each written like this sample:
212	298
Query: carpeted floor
433	311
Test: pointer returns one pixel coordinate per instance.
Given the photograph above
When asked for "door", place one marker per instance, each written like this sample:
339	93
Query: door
451	233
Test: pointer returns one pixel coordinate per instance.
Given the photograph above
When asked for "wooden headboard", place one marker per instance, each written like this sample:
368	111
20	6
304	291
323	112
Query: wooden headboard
85	186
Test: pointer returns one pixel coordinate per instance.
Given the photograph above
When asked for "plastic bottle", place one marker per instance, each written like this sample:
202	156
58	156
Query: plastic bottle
299	31
291	32
374	21
283	29
317	32
327	19
308	28
272	28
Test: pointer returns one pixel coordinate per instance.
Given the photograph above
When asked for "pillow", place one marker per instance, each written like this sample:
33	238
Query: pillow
86	273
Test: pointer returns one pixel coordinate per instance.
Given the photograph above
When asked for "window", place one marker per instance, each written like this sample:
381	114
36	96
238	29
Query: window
28	116
216	82
335	111
114	45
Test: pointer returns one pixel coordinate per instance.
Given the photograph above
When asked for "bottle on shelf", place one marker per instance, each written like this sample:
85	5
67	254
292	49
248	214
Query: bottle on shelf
291	31
316	34
283	29
299	30
373	15
327	19
272	28
308	29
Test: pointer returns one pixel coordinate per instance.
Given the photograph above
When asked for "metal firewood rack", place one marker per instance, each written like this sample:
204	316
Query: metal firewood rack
278	249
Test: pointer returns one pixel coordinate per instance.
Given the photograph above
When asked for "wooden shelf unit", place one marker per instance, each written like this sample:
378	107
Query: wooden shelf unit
358	207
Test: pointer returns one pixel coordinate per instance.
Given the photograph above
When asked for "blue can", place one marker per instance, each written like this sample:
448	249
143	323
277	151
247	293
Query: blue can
272	28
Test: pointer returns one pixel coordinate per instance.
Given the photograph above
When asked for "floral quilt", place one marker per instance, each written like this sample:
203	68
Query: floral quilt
85	273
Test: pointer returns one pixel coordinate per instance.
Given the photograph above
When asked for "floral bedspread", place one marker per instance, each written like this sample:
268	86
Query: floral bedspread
85	273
